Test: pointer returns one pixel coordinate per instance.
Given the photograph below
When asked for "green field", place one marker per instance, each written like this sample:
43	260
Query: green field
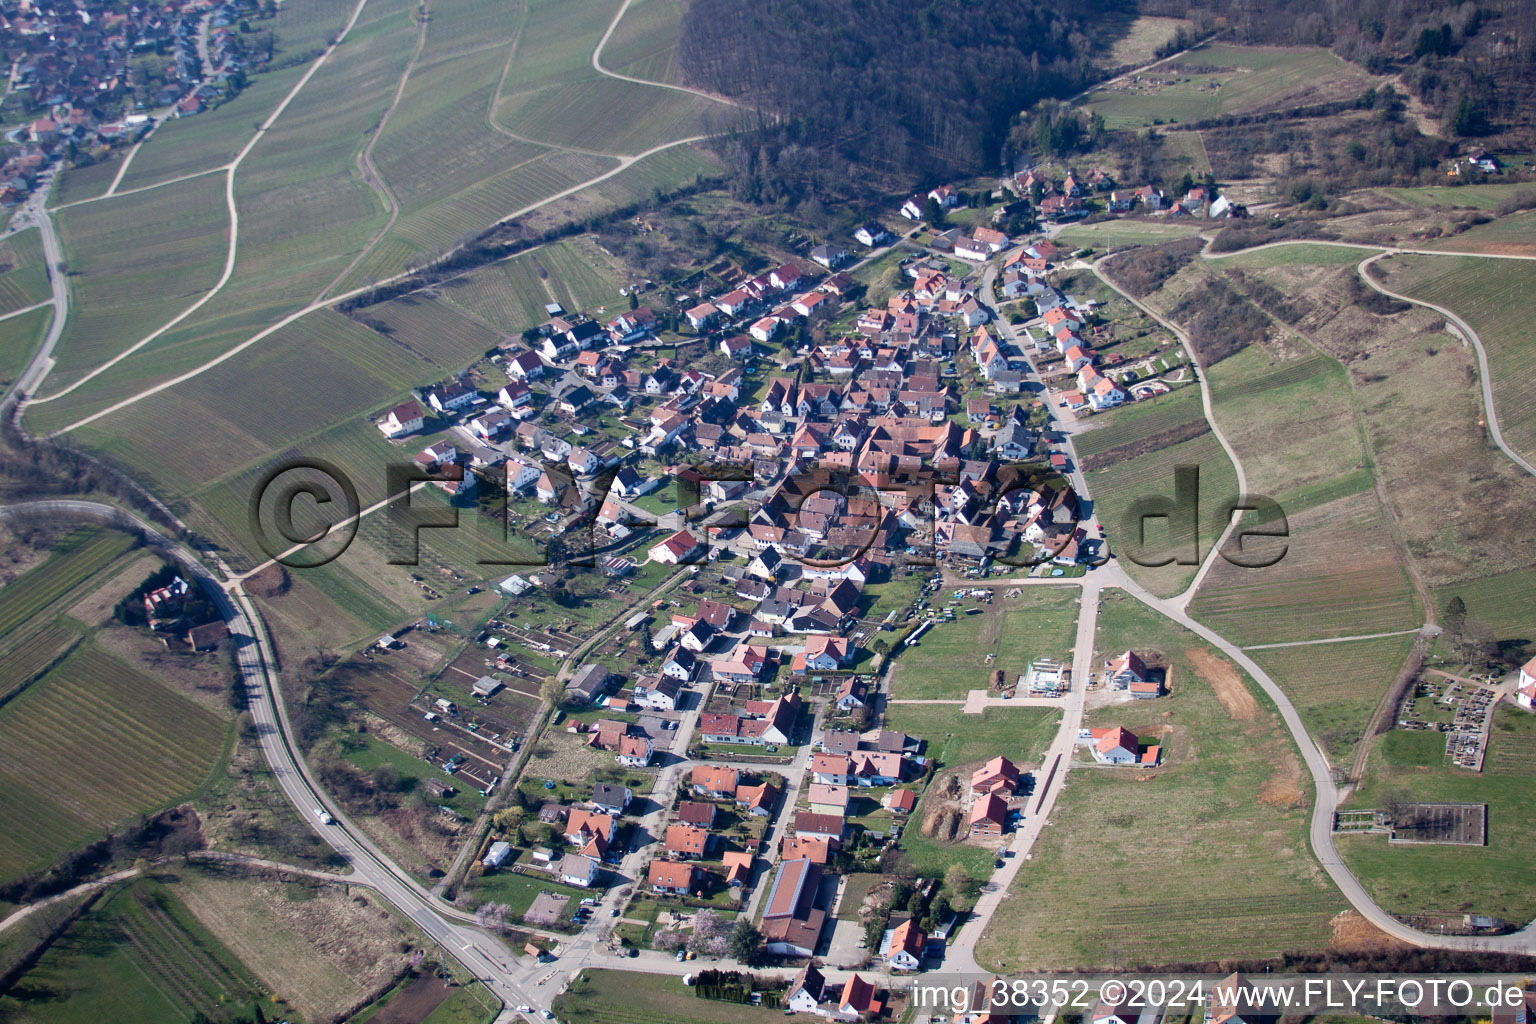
135	261
644	45
137	957
1506	603
73	184
20	336
1220	79
1305	253
628	997
1336	687
1208	854
1261	402
1339	577
1116	489
955	739
93	743
1482	197
952	658
24	279
1451	880
1491	295
1109	233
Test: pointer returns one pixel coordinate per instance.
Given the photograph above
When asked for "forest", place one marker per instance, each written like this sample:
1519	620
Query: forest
857	98
880	95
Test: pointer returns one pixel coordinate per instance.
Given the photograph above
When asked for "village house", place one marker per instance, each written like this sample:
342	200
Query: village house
713	780
405	418
905	952
686	842
675	878
791	922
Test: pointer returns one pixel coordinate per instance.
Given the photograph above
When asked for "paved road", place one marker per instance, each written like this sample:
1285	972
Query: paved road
34	213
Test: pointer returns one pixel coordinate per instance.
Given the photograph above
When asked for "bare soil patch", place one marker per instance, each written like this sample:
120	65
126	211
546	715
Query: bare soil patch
414	1003
1234	696
95	609
1354	934
1283	789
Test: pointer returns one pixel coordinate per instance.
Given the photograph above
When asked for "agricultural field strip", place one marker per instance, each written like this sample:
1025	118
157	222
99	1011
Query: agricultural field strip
375	180
299	314
231	208
623	164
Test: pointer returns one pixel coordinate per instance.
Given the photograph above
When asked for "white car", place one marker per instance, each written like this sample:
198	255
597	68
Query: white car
525	1008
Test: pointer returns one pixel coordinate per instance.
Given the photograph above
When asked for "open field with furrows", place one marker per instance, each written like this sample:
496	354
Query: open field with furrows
1482	197
1138	421
644	44
1284	255
627	997
602	114
507	295
496	198
1339	576
1451	880
90	744
1509	235
439	335
583	276
663	171
956	739
1220	79
555	43
1494	297
1451	493
1512	742
1227	862
135	262
328	370
1292	424
75	559
23	272
138	957
20	336
1109	233
1116	489
955	657
72	184
212	139
1337	687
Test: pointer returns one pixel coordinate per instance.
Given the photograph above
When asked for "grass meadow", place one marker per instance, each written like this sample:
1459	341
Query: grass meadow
1336	687
1450	880
1493	296
955	657
1202	855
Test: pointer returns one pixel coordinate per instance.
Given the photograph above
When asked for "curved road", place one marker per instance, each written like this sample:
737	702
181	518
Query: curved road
1327	798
